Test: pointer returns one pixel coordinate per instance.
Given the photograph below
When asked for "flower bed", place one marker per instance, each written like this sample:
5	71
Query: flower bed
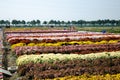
90	77
37	34
17	39
51	57
59	53
76	49
38	31
36	43
58	65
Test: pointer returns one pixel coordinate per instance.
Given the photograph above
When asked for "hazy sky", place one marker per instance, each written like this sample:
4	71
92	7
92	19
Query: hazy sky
59	9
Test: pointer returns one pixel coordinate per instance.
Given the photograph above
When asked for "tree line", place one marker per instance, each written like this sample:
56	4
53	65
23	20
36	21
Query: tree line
80	23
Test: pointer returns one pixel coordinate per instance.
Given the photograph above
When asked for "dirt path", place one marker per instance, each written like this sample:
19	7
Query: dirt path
1	74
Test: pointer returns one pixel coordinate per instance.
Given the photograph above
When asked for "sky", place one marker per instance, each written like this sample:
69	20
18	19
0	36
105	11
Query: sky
59	9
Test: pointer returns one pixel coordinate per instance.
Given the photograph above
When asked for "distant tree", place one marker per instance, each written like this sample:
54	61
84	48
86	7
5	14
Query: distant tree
2	22
51	22
55	22
33	23
105	22
19	23
99	22
113	22
68	23
59	23
93	23
73	22
118	22
80	22
14	22
45	22
63	23
7	23
38	22
23	22
28	23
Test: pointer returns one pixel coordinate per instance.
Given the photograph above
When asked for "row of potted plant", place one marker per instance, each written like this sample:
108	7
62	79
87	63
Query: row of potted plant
58	65
64	43
61	38
55	40
75	49
55	34
90	77
51	57
40	31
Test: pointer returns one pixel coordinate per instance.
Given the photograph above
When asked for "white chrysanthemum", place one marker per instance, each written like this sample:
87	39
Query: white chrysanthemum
57	57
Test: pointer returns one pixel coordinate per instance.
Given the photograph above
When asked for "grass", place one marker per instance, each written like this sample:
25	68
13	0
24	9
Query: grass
100	29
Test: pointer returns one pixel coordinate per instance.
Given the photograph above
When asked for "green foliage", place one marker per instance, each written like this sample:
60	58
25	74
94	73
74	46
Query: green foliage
99	29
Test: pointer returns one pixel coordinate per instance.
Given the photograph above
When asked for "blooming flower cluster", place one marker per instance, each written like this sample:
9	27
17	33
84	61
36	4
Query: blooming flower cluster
70	52
51	57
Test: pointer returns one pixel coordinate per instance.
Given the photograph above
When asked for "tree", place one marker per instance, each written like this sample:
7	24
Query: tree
106	22
7	23
93	23
38	22
80	22
19	23
62	23
28	23
58	22
45	22
33	23
14	22
23	23
113	22
2	22
73	22
52	22
118	22
99	22
68	23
